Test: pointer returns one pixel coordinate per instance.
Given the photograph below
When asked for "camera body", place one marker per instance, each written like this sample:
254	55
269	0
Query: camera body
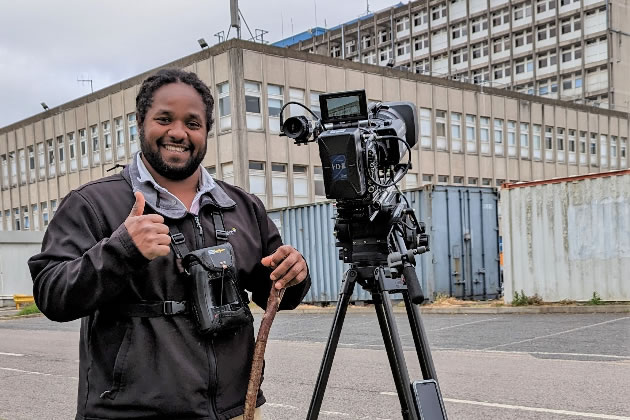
359	144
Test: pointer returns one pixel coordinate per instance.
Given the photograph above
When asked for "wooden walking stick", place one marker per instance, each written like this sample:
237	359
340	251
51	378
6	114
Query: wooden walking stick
273	302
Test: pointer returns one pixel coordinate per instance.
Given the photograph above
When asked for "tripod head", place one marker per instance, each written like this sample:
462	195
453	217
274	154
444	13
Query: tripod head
388	234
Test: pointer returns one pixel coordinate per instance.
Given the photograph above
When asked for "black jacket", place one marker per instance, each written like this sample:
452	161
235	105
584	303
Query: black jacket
159	367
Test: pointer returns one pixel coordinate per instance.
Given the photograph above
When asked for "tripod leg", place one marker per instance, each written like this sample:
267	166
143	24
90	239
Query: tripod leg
333	339
420	339
394	349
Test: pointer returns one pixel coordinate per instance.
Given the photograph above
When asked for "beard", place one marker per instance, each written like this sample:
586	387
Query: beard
175	173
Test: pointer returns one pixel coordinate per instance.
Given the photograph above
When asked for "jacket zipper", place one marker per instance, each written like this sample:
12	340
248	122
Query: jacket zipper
200	244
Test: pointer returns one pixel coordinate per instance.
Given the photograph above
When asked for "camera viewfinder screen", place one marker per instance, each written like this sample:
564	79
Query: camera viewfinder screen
344	106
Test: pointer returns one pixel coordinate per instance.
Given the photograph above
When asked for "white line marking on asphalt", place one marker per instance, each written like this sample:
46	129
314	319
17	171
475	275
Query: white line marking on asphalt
28	372
542	353
335	413
11	354
461	325
539	410
525	408
281	406
558	333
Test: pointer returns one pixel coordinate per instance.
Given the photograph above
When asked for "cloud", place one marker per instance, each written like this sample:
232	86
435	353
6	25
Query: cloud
46	46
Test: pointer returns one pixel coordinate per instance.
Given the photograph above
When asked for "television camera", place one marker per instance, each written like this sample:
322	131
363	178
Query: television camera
361	147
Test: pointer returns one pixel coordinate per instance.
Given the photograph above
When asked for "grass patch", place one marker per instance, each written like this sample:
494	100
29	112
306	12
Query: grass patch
596	299
524	300
29	310
567	302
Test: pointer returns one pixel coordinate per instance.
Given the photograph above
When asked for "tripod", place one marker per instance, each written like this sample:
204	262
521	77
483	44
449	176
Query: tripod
376	279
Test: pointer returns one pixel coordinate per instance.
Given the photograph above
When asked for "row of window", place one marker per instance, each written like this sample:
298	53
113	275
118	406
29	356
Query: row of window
475	134
460	180
594	21
71	152
25	218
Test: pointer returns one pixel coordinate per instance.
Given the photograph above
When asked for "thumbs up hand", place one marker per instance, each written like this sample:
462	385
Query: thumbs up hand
148	232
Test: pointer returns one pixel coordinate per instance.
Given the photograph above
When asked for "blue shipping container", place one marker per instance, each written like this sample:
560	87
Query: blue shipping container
463	227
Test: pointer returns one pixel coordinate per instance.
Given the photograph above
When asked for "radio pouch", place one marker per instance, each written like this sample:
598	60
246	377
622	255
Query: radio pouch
215	298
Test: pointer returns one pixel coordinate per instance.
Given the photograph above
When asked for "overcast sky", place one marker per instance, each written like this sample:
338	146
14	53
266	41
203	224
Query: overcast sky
45	46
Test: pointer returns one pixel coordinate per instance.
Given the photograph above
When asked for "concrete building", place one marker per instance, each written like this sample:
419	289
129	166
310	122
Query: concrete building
574	50
469	134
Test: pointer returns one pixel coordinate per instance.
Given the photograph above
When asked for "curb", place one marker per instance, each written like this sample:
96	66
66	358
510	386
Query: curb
470	310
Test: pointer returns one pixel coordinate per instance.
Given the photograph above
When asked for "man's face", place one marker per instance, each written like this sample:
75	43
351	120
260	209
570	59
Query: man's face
173	134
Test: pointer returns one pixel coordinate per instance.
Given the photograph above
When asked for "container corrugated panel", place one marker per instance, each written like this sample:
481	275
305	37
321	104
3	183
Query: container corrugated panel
463	260
568	238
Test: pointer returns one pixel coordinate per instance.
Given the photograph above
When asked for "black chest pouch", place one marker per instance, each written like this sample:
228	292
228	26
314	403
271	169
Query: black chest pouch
215	296
215	299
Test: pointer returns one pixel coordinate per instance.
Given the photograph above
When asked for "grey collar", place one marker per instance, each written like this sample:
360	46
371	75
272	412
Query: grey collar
165	203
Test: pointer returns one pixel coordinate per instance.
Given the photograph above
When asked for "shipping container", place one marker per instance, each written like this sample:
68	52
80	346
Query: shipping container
568	238
16	248
463	261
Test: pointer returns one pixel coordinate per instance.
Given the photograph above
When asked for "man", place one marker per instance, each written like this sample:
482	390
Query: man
107	258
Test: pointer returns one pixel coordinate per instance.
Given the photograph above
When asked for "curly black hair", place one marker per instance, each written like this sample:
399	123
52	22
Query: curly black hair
144	100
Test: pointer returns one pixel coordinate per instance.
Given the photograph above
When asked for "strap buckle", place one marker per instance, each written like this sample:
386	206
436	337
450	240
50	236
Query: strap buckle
178	238
222	235
171	307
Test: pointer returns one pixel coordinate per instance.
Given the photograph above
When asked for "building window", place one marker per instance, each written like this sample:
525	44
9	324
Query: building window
545	5
425	128
411	180
31	164
120	136
421	42
227	170
253	116
603	150
456	131
275	101
61	155
427	178
257	181
34	216
501	17
132	126
279	185
484	134
524	137
459	180
440	130
7	218
296	95
511	138
52	165
72	149
315	104
225	108
459	31
549	143
16	219
22	165
318	182
498	137
560	144
41	160
480	50
537	141
300	184
443	179
460	56
471	133
95	148
479	24
473	181
438	12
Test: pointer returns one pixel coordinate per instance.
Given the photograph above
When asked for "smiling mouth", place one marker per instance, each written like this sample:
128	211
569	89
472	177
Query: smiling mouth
175	148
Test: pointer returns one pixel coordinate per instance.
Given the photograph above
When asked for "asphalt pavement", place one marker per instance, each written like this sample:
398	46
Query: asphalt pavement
489	365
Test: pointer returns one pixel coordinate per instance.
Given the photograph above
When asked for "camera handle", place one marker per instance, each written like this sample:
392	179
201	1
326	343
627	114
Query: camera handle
378	283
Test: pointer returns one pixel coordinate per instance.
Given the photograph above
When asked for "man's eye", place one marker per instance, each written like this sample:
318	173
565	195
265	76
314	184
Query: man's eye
163	120
194	124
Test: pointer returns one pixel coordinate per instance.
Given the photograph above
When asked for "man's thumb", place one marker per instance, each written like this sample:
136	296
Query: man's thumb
138	206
